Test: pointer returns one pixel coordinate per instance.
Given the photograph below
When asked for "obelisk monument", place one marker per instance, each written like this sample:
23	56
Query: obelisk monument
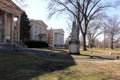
74	43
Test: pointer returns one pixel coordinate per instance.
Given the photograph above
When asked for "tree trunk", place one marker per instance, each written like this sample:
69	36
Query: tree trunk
112	43
84	42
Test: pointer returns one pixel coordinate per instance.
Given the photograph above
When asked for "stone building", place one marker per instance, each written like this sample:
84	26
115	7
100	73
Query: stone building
38	31
56	37
50	37
9	11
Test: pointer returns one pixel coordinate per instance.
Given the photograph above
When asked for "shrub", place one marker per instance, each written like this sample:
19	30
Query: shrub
36	44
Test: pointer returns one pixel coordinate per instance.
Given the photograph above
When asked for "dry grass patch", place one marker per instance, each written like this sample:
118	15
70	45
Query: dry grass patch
108	69
98	70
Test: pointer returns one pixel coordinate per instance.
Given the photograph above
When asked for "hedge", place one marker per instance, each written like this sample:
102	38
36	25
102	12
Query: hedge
36	44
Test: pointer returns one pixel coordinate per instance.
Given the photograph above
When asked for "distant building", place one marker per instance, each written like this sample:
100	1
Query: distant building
50	37
56	37
38	31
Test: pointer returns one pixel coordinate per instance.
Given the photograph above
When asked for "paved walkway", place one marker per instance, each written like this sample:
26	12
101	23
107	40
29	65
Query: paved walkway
52	56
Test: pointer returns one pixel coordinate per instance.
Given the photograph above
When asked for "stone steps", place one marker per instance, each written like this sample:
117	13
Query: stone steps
6	45
10	45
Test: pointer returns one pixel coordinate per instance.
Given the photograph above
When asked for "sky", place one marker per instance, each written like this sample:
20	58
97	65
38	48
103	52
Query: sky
37	9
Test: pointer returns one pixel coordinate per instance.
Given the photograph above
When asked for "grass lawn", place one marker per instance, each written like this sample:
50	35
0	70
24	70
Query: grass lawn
98	51
27	66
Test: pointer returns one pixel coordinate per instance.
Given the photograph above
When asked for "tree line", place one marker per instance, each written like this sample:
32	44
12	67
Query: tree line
109	28
90	18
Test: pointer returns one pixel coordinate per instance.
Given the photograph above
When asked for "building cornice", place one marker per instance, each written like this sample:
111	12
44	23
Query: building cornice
10	7
39	22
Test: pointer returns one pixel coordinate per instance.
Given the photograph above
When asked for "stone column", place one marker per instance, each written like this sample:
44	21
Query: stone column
5	27
18	29
12	29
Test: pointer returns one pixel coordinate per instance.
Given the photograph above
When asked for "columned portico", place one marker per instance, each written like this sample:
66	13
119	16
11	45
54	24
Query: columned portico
9	28
4	27
18	29
12	29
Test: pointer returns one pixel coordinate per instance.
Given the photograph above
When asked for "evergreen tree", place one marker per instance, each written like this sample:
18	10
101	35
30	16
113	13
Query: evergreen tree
24	27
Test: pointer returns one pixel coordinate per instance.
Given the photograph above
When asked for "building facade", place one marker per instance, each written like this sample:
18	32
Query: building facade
50	37
38	31
8	12
56	37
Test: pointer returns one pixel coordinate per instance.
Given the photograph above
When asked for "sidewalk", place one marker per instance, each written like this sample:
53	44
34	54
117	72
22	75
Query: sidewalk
48	55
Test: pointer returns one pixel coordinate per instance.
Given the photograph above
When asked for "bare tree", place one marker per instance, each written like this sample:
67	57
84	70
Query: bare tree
83	11
113	29
94	30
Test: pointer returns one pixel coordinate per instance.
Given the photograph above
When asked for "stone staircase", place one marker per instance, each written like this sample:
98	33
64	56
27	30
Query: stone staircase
11	46
6	45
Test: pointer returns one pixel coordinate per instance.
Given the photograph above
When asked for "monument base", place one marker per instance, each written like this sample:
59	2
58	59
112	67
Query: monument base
74	47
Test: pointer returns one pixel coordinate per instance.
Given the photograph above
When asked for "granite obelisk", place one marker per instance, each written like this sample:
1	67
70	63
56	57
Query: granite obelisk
74	43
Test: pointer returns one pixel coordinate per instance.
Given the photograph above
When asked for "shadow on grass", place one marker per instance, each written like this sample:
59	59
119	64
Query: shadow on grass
26	65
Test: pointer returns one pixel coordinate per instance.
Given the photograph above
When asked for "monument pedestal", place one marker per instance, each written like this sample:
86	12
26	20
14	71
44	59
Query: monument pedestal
74	47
